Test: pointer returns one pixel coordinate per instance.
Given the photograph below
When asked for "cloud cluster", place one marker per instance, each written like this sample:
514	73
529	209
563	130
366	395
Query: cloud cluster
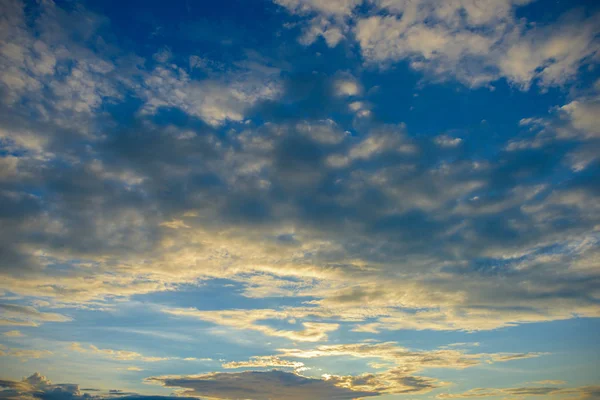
409	361
38	386
398	378
400	366
185	216
476	42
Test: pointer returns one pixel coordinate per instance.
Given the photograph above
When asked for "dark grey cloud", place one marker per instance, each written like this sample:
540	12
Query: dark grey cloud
39	387
274	385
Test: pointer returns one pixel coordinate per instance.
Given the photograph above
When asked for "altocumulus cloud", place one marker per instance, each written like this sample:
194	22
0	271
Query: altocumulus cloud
475	42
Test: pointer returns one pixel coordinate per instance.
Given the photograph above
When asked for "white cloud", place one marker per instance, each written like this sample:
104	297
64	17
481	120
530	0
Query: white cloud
584	116
447	141
332	32
476	42
324	132
328	8
214	101
30	63
382	140
250	319
551	54
264	362
347	86
574	121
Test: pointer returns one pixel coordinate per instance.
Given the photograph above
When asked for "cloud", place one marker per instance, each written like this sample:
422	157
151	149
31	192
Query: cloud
583	116
284	385
13	334
550	382
410	361
446	47
330	8
35	64
250	319
325	132
24	354
387	185
401	365
393	381
322	27
214	101
552	54
347	87
259	385
35	385
19	315
473	42
119	355
264	362
571	122
582	392
382	167
328	19
361	108
447	141
38	386
383	140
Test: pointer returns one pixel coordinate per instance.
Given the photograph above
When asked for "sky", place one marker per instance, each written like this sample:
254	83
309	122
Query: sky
299	199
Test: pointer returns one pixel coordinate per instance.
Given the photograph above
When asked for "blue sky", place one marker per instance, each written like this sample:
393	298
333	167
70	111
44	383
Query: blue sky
299	199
